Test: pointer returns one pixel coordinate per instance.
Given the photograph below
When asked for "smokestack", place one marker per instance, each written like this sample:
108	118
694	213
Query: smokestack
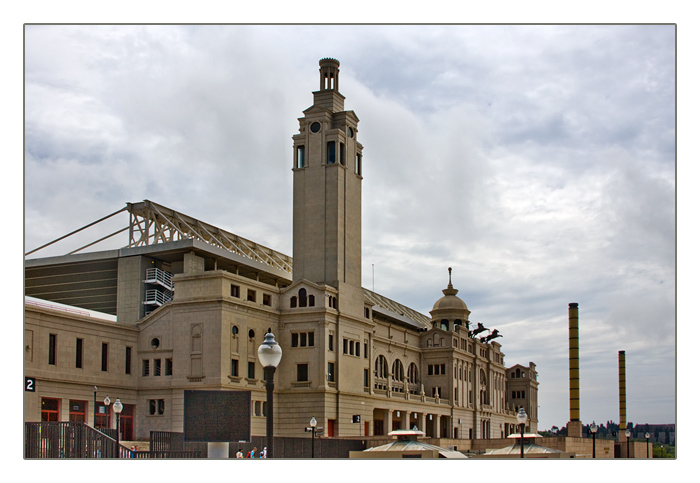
623	394
575	427
573	363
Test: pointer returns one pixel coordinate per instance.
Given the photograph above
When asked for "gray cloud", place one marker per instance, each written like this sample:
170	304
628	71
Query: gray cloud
537	161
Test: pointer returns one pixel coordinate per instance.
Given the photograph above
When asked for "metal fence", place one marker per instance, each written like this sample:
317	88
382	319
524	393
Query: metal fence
69	440
285	447
301	448
78	440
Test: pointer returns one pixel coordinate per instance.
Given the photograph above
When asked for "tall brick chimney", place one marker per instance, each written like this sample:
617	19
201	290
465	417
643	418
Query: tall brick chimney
623	395
575	427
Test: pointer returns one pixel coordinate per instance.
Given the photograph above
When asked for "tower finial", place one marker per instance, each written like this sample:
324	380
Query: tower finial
449	273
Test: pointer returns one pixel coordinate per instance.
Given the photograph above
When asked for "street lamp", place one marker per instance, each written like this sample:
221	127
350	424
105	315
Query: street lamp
647	435
628	433
313	424
522	418
594	430
269	355
94	407
118	406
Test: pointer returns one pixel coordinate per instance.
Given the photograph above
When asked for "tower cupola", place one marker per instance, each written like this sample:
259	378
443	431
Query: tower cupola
329	69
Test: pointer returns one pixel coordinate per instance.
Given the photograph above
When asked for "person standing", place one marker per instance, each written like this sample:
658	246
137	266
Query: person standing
239	454
263	453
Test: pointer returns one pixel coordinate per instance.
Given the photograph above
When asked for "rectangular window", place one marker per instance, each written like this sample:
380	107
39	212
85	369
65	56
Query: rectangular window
358	164
302	339
342	154
156	367
302	372
105	354
330	342
357	348
235	291
146	367
251	370
251	295
52	349
156	407
331	372
77	411
366	378
345	346
301	161
168	367
234	367
127	362
267	299
366	350
330	152
78	353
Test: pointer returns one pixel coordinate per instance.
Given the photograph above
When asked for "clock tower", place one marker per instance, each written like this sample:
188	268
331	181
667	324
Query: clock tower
327	193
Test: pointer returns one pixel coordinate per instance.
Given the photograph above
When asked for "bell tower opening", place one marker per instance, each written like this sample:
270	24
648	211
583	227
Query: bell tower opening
329	74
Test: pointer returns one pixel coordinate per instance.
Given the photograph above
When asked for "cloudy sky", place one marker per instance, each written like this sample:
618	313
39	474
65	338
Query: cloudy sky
536	161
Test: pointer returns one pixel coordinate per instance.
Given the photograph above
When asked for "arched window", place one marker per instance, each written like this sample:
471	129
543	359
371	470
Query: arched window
444	324
458	323
302	297
196	334
412	375
381	368
397	371
293	302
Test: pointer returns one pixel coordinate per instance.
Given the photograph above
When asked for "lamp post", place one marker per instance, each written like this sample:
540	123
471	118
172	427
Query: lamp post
647	435
522	418
107	402
313	424
94	407
118	406
269	355
594	430
628	433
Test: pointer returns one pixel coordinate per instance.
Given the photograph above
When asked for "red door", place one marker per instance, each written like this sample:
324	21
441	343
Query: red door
331	428
126	423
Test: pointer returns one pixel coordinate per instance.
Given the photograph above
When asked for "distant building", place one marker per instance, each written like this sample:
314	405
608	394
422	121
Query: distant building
188	305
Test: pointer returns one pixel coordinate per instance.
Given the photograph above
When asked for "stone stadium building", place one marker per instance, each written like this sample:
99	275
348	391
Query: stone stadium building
184	305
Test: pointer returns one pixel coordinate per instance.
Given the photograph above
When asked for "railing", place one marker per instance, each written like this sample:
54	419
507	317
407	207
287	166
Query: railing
62	439
156	297
160	277
69	440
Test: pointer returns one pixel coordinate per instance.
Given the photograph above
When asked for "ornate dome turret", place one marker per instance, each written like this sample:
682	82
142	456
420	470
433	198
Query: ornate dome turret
450	311
450	299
